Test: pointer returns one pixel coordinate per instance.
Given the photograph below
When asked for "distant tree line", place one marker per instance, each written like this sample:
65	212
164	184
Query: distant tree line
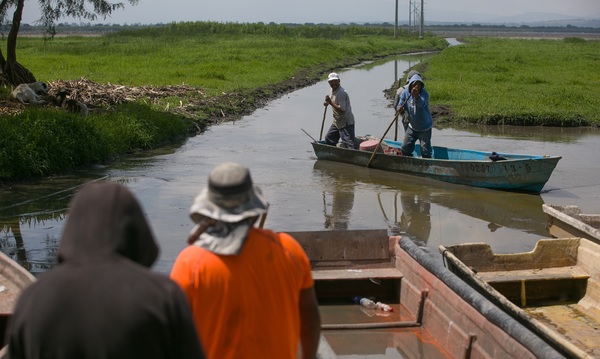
218	27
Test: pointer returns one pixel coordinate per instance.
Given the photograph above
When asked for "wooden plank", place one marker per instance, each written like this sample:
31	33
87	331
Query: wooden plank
353	274
582	329
345	245
556	273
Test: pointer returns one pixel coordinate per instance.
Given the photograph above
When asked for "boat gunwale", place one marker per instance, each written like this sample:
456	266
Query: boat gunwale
559	213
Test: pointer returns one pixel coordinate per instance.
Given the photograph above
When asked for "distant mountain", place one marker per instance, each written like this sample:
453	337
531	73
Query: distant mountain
529	19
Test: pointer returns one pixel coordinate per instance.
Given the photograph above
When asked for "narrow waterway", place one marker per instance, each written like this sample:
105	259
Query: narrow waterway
306	194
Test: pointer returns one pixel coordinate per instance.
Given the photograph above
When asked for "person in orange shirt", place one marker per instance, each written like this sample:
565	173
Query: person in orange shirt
250	289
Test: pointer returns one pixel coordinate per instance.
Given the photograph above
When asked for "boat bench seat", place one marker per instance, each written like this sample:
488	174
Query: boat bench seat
555	273
356	274
346	264
558	285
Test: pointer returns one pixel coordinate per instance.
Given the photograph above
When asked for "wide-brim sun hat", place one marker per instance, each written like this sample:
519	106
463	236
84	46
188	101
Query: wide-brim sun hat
229	197
333	76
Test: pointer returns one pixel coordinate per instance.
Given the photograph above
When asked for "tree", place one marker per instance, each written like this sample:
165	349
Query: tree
52	10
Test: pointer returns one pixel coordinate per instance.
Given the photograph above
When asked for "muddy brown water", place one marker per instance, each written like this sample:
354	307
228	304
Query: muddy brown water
306	194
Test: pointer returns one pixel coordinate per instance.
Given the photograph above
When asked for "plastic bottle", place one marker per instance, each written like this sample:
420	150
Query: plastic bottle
365	302
384	307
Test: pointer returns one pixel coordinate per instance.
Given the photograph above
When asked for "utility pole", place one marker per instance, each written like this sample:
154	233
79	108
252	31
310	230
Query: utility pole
422	20
395	23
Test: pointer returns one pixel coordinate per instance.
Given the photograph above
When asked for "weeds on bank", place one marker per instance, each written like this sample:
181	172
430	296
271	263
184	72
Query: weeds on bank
43	142
518	81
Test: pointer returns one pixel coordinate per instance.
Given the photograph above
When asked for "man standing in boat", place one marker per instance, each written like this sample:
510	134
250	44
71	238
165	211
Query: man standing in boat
420	120
404	114
343	119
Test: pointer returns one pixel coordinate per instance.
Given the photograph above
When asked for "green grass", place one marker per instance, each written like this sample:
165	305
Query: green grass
41	142
217	57
220	59
518	81
485	81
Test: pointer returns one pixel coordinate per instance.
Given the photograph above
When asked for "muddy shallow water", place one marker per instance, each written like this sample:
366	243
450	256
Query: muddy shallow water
306	194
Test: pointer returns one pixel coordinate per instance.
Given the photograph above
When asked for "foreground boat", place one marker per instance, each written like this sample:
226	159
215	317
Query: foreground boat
518	172
435	314
13	279
553	290
569	221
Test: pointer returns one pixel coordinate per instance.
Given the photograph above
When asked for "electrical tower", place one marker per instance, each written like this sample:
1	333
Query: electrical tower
416	16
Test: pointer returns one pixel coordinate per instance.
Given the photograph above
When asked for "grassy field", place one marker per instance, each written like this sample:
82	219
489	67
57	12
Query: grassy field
518	81
236	66
217	57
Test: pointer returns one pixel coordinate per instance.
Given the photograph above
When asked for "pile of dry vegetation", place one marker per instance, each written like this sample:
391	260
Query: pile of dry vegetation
193	103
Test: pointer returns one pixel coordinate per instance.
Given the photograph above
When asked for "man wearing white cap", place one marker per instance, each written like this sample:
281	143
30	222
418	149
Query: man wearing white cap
343	119
250	289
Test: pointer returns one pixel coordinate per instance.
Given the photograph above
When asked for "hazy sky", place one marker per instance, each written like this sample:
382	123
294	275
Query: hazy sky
331	11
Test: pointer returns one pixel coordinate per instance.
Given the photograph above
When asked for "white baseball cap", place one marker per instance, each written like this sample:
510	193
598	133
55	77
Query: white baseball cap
333	76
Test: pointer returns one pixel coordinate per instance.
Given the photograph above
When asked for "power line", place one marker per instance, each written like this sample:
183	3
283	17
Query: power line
416	16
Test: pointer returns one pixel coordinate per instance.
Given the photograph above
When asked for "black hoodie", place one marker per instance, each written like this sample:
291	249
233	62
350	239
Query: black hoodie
101	300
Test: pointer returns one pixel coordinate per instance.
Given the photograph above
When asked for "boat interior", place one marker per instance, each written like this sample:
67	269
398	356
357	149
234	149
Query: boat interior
429	319
557	284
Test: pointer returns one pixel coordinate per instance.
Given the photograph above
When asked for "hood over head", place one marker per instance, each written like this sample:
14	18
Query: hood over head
410	74
106	220
414	78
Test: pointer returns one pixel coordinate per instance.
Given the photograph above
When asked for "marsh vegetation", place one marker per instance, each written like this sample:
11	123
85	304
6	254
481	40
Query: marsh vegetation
231	69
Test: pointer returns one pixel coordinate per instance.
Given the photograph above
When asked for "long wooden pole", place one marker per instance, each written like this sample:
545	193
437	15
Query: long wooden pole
263	217
382	137
396	132
323	123
395	120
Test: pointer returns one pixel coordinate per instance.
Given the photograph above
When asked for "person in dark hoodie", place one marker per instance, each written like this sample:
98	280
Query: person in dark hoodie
102	300
420	120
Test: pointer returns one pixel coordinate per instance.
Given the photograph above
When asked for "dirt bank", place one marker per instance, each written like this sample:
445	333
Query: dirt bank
195	105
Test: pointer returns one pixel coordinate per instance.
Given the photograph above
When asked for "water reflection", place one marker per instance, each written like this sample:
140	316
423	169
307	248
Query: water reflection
529	133
415	215
40	209
406	203
338	199
396	344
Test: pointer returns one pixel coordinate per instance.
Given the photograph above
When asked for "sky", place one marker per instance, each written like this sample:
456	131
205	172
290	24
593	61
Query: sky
330	11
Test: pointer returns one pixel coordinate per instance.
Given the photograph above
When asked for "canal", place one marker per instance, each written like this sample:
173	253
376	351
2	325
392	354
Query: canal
306	194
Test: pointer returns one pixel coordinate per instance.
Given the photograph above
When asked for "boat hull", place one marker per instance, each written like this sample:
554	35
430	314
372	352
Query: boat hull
467	167
554	290
451	319
569	221
13	279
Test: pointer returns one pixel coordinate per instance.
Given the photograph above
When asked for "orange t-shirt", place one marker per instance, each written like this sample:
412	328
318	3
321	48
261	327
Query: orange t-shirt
247	305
